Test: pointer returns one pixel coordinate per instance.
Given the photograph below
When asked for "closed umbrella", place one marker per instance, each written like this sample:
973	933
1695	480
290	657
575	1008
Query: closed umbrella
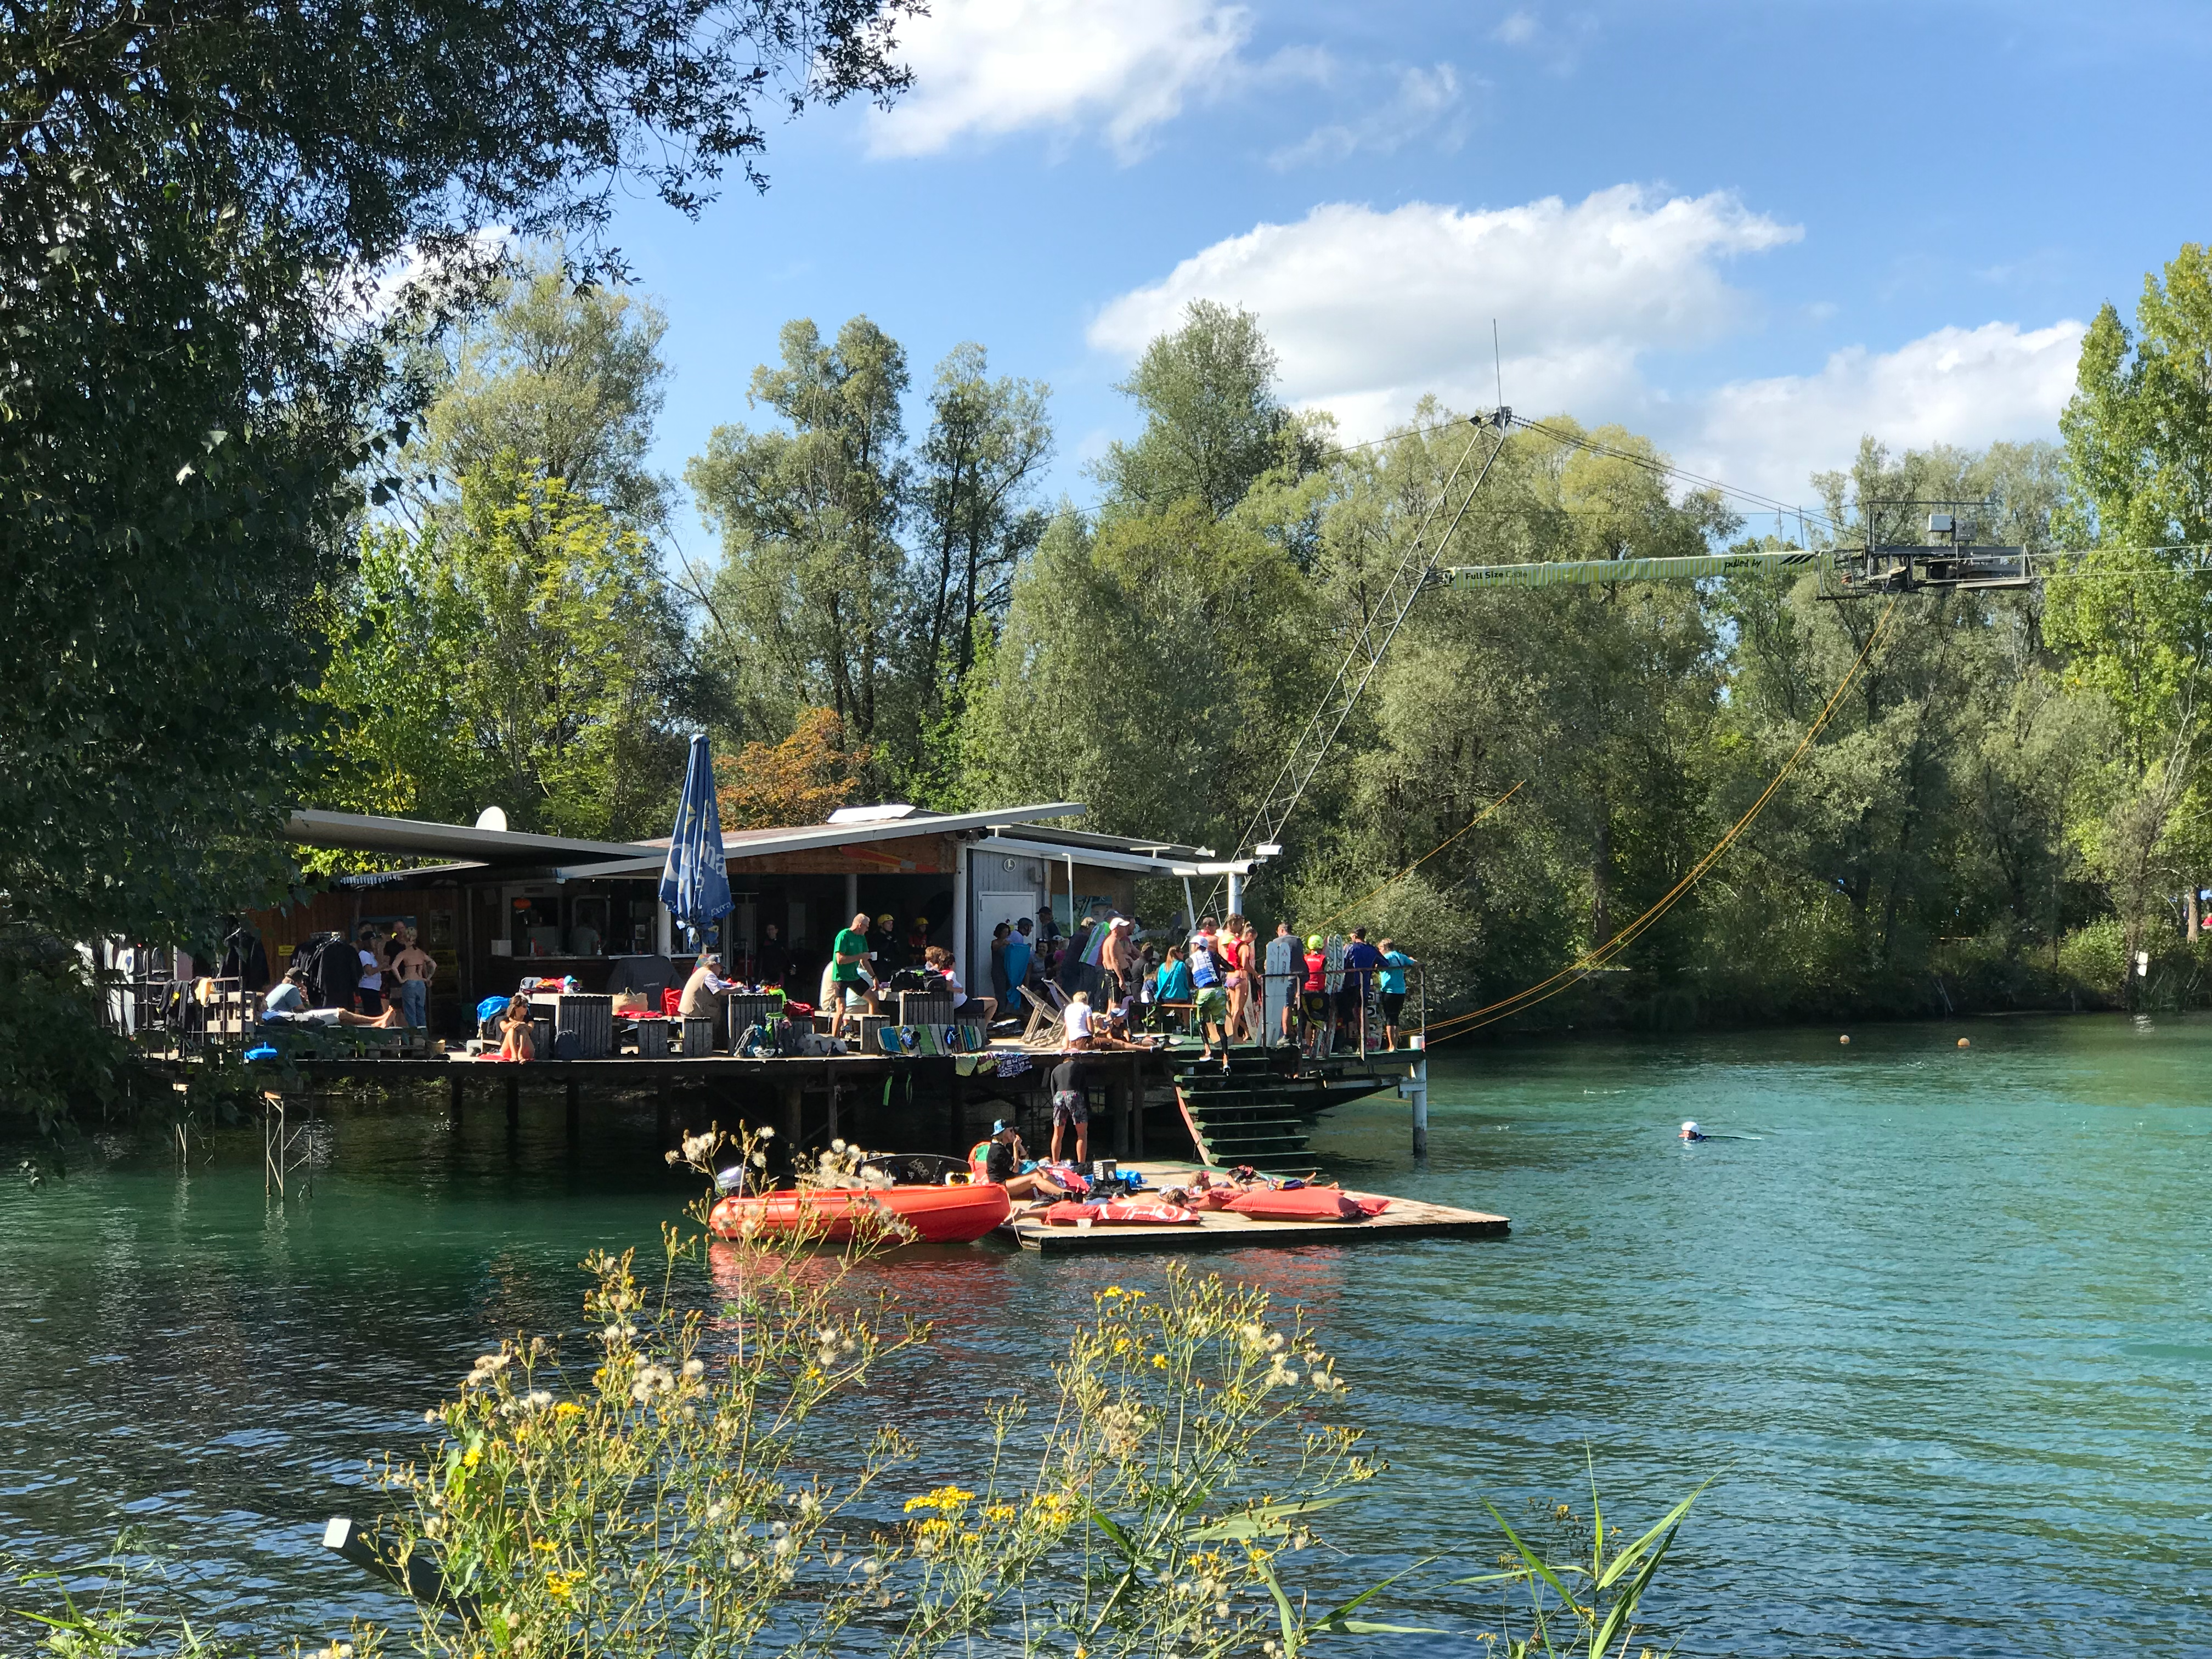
694	884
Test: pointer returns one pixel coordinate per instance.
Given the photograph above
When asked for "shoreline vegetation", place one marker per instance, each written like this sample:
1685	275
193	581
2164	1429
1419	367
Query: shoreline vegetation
2007	811
696	1469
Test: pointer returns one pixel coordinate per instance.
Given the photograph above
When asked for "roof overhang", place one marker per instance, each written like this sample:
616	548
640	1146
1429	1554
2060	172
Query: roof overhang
1109	858
813	837
418	838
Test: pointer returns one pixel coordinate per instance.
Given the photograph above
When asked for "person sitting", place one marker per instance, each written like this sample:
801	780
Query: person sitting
1077	1020
288	1005
1172	983
969	1011
515	1040
703	993
1005	1161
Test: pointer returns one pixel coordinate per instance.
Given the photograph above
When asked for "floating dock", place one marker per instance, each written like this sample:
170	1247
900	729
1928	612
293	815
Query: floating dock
1218	1229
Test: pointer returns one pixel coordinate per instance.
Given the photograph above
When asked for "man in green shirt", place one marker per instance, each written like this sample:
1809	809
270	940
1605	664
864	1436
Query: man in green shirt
847	976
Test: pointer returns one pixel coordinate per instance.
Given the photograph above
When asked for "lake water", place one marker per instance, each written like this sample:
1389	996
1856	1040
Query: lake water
1941	1329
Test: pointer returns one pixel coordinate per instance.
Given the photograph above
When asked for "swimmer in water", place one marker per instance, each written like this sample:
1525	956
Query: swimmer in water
1692	1132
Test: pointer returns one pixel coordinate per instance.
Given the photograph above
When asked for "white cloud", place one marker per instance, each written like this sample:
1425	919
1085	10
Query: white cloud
1518	29
1425	102
987	67
1968	386
1370	309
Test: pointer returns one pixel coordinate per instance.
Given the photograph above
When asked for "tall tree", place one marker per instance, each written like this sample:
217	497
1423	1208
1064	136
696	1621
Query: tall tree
2137	617
811	592
522	651
1213	421
198	198
988	441
569	377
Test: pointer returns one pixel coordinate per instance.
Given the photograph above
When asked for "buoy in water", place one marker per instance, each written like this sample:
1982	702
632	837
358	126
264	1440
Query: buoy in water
1843	1039
1963	1043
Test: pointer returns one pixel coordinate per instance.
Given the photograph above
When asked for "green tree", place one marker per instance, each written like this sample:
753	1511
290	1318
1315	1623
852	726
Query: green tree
2136	617
1213	421
197	203
1147	669
811	592
522	651
570	375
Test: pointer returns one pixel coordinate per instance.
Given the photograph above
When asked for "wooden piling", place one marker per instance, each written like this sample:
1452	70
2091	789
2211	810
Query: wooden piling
575	1114
513	1100
456	1096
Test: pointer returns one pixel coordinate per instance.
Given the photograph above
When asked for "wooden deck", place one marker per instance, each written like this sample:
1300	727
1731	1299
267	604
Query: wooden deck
1406	1218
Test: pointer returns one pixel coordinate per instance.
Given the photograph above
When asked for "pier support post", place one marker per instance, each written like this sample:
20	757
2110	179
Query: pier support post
661	1107
959	1110
831	1072
456	1094
513	1100
795	1101
1414	1086
575	1104
1136	1086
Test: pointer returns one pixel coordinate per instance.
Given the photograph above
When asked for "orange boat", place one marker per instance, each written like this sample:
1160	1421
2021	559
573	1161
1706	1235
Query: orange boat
933	1215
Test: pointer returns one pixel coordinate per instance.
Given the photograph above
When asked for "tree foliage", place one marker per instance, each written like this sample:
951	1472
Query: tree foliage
801	779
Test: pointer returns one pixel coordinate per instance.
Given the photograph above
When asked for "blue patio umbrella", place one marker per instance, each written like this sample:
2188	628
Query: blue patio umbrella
694	884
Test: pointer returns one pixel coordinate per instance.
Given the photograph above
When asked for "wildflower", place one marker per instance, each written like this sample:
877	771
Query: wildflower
560	1585
837	1145
673	1155
760	1160
999	1512
694	1368
1110	1292
433	1415
949	1499
785	1546
471	1457
567	1408
871	1567
768	1133
1275	1342
1159	1362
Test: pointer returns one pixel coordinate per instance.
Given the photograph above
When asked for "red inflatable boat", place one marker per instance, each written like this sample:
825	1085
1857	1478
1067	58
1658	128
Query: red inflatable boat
932	1215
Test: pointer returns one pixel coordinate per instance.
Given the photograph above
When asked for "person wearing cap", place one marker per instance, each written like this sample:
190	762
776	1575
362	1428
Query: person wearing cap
1692	1132
1003	1162
705	991
1118	956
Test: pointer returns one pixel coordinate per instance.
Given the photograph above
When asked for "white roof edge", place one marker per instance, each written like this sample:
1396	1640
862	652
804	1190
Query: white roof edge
368	833
1106	858
804	837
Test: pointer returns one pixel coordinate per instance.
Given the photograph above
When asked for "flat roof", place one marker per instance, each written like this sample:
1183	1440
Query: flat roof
759	843
420	838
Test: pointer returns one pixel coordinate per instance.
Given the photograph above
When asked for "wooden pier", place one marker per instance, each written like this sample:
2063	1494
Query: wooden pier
1406	1218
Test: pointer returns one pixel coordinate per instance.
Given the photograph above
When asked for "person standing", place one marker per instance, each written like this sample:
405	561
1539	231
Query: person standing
884	947
1314	999
848	951
414	969
1002	991
1118	956
1395	963
1020	951
1070	1110
370	992
1361	960
1229	947
771	962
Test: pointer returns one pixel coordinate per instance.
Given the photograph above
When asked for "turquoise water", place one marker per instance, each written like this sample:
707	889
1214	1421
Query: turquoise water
1940	1330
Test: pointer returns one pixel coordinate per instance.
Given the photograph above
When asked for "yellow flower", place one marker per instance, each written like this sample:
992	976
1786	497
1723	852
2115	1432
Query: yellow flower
567	1408
948	1498
471	1457
1111	1291
999	1512
1159	1362
540	1543
559	1585
1120	1345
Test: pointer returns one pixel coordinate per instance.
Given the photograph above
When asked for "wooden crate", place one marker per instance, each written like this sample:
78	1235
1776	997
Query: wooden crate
925	1008
698	1036
748	1009
652	1039
590	1020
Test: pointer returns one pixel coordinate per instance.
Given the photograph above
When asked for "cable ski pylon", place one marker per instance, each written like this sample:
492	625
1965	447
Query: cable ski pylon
1370	641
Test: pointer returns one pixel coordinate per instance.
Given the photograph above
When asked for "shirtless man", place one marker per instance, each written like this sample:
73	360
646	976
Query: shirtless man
414	969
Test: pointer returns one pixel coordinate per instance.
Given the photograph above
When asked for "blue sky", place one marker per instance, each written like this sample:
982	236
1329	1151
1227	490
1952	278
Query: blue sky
1753	231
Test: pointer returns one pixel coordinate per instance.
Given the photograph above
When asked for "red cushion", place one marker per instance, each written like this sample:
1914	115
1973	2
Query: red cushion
1297	1204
